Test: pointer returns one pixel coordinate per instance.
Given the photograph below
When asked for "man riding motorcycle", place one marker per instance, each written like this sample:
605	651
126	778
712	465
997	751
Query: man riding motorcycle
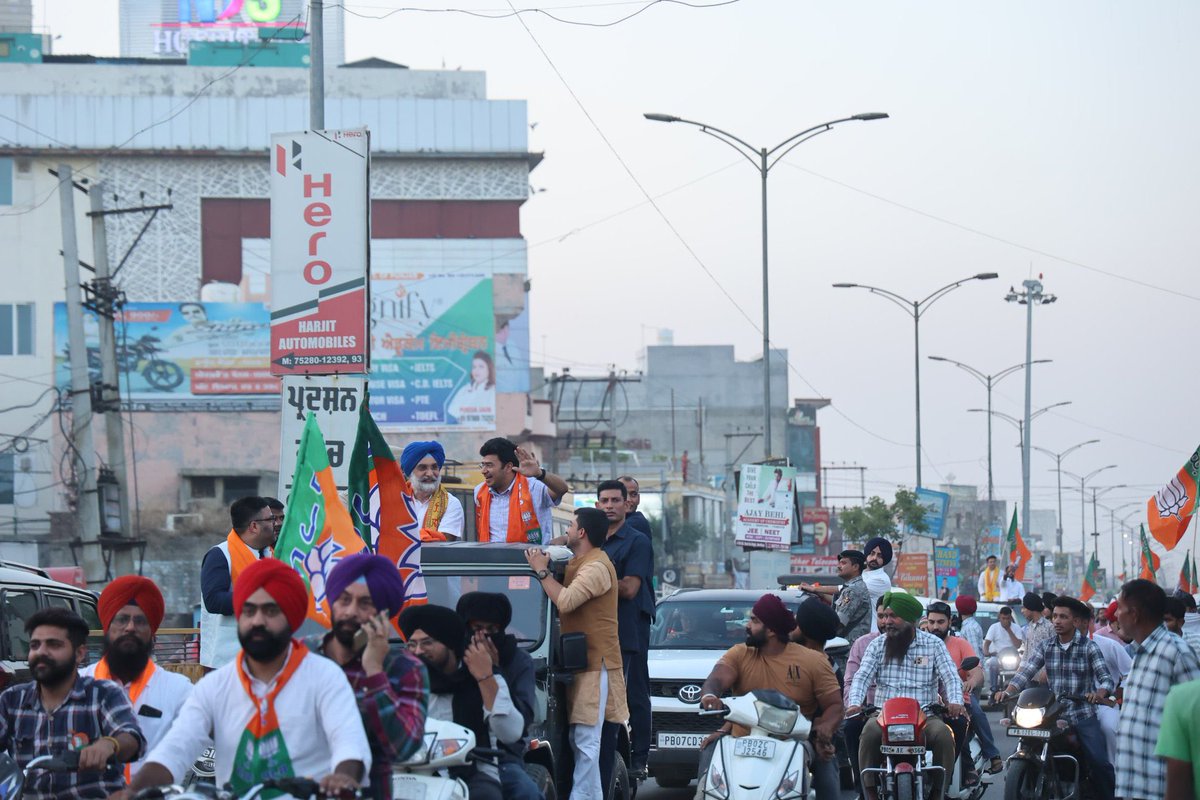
906	662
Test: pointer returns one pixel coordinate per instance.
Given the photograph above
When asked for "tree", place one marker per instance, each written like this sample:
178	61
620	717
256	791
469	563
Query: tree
877	518
683	539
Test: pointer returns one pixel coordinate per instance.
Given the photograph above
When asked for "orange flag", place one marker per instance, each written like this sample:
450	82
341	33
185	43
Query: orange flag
1170	510
1018	554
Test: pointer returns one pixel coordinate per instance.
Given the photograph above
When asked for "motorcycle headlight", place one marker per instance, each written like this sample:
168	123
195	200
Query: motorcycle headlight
901	733
779	721
1029	717
717	786
1010	661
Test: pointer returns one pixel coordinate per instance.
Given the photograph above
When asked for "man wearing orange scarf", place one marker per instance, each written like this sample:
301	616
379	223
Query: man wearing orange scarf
439	512
131	609
276	710
513	503
250	539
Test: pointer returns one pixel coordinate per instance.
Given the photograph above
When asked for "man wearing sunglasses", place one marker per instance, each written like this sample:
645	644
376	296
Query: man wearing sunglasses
250	539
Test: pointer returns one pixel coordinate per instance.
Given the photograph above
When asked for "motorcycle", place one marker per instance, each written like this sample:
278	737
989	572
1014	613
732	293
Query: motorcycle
1008	663
1048	763
971	759
771	763
13	778
142	355
908	771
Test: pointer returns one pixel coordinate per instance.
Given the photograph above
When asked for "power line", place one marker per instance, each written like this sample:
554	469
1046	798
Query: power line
546	12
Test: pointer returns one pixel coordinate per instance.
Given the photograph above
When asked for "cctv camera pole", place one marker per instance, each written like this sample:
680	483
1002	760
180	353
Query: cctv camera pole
83	450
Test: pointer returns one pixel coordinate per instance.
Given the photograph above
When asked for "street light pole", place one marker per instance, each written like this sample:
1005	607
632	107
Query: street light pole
915	309
989	381
761	159
1083	479
1058	457
1030	297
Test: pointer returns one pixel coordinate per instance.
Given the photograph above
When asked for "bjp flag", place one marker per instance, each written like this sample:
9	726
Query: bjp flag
317	531
1150	560
1018	553
1170	510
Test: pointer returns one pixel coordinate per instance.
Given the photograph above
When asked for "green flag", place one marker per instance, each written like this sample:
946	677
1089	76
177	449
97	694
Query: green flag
1091	584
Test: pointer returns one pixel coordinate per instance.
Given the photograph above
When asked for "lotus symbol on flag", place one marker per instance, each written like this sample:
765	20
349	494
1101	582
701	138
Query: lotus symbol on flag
1171	499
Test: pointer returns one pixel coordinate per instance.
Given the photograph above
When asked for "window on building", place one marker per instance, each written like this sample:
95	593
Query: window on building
236	487
16	329
204	487
6	180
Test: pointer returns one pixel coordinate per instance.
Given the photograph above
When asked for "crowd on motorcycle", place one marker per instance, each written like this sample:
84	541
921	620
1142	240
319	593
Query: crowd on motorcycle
346	707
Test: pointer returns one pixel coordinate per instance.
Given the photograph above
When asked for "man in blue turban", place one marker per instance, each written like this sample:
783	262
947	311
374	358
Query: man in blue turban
439	512
365	592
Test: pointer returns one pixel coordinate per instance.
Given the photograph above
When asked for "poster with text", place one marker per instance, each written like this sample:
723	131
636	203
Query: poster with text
765	504
912	573
432	363
945	572
174	356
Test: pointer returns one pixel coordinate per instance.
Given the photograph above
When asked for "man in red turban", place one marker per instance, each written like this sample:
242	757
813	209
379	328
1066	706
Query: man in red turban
131	609
276	710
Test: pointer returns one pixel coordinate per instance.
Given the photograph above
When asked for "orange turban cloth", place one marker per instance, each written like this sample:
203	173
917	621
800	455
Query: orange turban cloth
131	590
283	583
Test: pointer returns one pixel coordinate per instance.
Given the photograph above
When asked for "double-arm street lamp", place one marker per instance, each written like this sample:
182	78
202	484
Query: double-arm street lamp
916	309
1058	457
989	381
1083	479
764	159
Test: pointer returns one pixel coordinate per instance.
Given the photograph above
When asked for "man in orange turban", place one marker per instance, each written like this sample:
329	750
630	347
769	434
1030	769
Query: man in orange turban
131	609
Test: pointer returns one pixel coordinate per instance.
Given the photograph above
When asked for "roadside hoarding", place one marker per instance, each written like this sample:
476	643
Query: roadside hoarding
815	525
765	503
935	504
820	566
945	570
334	401
320	233
912	573
432	363
177	356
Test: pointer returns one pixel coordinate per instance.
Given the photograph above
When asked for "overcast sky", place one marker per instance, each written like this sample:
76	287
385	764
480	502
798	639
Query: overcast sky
1024	138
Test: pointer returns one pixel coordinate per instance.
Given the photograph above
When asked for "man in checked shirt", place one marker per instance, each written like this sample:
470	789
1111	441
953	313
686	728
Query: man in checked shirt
390	685
1074	666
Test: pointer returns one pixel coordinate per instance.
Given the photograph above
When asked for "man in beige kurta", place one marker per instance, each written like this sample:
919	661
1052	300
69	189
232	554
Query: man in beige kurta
587	603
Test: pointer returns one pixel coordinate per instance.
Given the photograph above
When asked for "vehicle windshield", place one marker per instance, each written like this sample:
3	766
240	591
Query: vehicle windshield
700	624
527	598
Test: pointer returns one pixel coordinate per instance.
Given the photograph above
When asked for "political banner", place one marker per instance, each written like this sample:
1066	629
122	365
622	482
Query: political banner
935	504
334	401
178	356
765	503
431	351
912	573
320	252
945	571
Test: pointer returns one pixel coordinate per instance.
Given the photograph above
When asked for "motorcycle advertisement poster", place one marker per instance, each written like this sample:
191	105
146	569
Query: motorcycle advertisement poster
180	355
765	503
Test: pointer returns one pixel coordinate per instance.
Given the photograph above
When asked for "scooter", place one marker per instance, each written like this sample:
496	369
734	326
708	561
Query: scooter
908	771
425	775
771	763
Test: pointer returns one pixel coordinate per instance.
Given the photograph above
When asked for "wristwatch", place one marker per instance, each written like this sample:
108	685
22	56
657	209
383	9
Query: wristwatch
542	574
542	474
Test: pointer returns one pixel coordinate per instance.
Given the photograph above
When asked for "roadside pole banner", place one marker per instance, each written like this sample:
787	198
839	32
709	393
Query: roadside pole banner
912	573
765	503
945	570
334	400
320	252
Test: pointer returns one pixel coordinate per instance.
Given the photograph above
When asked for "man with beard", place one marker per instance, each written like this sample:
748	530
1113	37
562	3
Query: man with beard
769	660
879	583
906	662
389	684
587	603
1074	665
515	501
131	609
487	616
634	518
275	711
250	538
464	688
1011	589
439	512
61	710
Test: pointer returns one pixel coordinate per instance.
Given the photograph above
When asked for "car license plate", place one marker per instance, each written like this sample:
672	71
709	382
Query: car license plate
758	748
680	741
1031	733
901	749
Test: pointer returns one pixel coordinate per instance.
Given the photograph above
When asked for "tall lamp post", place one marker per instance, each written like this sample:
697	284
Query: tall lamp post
1058	457
1031	297
915	309
989	381
1112	530
764	159
1083	479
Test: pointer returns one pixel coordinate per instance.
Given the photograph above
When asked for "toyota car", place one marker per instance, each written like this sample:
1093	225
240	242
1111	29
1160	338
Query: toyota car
692	629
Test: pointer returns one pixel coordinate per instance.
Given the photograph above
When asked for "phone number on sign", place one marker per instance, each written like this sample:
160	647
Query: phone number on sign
306	361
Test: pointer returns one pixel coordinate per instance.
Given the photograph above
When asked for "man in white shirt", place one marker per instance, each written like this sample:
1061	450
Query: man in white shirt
1011	589
276	710
131	609
439	512
879	583
514	501
1001	636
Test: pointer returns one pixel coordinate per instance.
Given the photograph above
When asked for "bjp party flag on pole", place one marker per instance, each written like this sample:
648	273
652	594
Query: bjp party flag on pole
1150	559
1187	583
317	531
1090	584
1018	553
1170	510
379	506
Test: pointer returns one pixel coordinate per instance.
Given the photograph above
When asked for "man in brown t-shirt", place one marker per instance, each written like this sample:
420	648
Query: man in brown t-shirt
769	660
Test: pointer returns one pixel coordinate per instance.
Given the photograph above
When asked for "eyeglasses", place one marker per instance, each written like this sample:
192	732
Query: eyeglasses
123	620
264	519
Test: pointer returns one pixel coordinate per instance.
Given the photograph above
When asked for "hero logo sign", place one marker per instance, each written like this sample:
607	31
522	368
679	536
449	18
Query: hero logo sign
319	252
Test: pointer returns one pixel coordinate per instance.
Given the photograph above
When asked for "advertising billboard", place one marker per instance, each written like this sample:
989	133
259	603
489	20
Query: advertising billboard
432	362
174	356
945	571
185	21
935	504
765	504
912	573
320	251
